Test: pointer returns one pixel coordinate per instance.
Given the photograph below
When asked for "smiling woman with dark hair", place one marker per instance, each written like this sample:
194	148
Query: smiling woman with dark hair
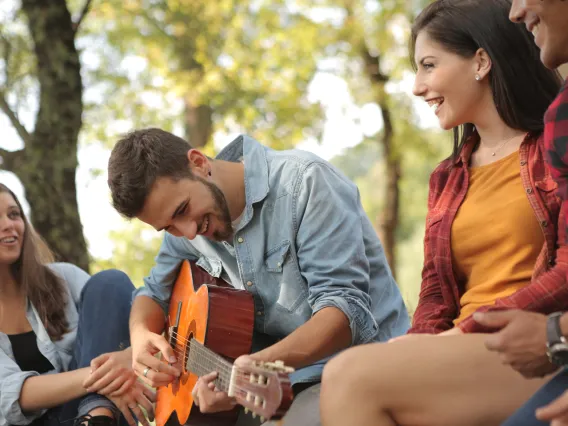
60	358
491	231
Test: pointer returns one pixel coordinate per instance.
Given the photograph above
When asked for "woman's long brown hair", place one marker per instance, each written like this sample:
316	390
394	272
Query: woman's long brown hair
43	288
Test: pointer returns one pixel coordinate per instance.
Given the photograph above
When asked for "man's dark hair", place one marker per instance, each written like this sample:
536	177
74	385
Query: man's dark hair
137	160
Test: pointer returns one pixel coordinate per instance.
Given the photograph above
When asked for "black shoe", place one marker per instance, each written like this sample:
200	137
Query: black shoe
88	420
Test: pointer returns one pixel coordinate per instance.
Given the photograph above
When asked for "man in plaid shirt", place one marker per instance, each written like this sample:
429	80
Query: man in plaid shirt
523	336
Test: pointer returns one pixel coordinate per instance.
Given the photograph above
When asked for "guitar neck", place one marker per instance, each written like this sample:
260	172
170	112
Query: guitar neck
202	361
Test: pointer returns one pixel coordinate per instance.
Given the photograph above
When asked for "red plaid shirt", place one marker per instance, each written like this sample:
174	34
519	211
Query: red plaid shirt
556	140
440	292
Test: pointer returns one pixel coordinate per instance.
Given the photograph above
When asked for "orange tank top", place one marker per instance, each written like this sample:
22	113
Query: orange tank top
495	236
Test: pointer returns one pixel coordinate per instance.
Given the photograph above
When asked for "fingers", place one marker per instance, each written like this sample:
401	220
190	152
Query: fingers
149	394
208	398
153	377
98	361
494	342
122	389
117	384
98	372
146	404
123	407
135	408
494	319
160	343
557	408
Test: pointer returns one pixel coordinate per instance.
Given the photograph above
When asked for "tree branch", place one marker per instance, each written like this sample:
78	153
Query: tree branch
84	12
22	132
8	159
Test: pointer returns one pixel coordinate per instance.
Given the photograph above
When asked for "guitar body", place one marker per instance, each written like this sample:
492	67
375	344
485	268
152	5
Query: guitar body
219	317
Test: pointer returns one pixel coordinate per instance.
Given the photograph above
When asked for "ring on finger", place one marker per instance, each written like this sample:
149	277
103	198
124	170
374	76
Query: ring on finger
145	373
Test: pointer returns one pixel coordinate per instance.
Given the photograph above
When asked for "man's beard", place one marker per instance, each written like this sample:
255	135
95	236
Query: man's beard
221	211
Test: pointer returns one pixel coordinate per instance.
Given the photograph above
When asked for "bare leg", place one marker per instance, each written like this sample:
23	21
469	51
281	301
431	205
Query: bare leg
423	381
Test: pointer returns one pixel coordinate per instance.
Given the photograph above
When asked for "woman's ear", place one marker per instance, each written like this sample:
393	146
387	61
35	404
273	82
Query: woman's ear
482	64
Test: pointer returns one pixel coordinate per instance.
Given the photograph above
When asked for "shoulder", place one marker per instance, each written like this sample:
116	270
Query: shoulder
73	276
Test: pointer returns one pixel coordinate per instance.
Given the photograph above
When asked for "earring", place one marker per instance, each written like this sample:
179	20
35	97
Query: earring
209	172
477	77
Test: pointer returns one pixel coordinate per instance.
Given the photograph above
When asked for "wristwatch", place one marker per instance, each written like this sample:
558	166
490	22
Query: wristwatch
557	345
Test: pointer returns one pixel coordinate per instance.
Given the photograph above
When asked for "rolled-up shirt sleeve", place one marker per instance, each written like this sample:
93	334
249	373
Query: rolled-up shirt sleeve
331	249
11	381
158	285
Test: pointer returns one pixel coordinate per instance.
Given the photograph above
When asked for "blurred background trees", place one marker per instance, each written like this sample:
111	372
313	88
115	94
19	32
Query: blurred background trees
331	76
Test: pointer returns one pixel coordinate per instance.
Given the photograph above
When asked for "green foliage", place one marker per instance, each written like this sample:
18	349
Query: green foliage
135	246
251	63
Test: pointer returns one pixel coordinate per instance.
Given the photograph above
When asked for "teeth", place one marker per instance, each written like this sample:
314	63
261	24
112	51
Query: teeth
8	240
205	225
435	104
535	30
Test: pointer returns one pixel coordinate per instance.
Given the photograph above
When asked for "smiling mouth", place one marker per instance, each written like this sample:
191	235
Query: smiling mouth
533	27
435	104
8	240
204	225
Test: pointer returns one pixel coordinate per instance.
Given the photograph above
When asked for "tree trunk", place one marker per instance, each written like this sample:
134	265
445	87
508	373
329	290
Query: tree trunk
198	124
389	219
47	164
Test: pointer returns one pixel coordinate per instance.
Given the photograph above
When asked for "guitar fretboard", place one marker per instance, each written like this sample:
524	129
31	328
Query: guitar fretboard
202	361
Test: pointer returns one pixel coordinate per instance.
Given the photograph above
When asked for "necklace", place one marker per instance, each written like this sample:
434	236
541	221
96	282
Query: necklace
502	145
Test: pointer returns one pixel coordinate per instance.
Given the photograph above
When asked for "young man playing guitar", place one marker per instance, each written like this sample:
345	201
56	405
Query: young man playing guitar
285	226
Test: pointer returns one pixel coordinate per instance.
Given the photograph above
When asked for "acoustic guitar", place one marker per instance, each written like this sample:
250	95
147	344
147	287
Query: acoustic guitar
209	325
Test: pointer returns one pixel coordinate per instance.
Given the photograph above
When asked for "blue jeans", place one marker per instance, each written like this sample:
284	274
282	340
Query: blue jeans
104	310
525	416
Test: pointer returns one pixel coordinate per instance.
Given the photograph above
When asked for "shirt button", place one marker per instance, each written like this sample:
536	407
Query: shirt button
259	313
544	223
249	283
529	191
279	264
551	261
523	163
240	239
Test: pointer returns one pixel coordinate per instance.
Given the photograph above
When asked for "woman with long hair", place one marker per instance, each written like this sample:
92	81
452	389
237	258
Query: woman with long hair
492	232
64	343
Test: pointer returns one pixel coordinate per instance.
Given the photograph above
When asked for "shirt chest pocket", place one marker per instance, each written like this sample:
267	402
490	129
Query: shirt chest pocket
287	288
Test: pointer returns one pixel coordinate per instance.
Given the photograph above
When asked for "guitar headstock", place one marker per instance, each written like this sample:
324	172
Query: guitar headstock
264	389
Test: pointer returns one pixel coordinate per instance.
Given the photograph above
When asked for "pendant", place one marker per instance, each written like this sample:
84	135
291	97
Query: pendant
493	154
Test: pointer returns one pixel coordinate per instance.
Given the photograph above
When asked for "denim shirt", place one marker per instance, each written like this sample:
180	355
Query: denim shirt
58	353
303	243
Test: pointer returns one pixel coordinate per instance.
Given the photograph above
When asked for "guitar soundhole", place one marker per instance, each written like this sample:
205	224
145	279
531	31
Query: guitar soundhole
186	350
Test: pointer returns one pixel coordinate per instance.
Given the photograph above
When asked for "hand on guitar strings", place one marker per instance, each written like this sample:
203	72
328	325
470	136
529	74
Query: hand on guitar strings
151	370
208	398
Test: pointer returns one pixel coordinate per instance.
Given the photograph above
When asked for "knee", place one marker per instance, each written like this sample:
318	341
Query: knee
109	285
339	375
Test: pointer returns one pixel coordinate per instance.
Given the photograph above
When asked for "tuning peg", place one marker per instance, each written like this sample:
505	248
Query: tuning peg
253	415
262	419
246	410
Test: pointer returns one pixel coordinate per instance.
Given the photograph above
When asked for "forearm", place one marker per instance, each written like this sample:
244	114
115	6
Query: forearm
325	334
51	390
146	314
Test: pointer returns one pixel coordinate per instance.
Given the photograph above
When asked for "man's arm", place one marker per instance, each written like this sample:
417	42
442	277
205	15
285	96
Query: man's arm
326	333
148	315
332	260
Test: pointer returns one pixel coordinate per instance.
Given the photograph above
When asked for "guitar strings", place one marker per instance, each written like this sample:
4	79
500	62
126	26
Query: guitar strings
227	369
